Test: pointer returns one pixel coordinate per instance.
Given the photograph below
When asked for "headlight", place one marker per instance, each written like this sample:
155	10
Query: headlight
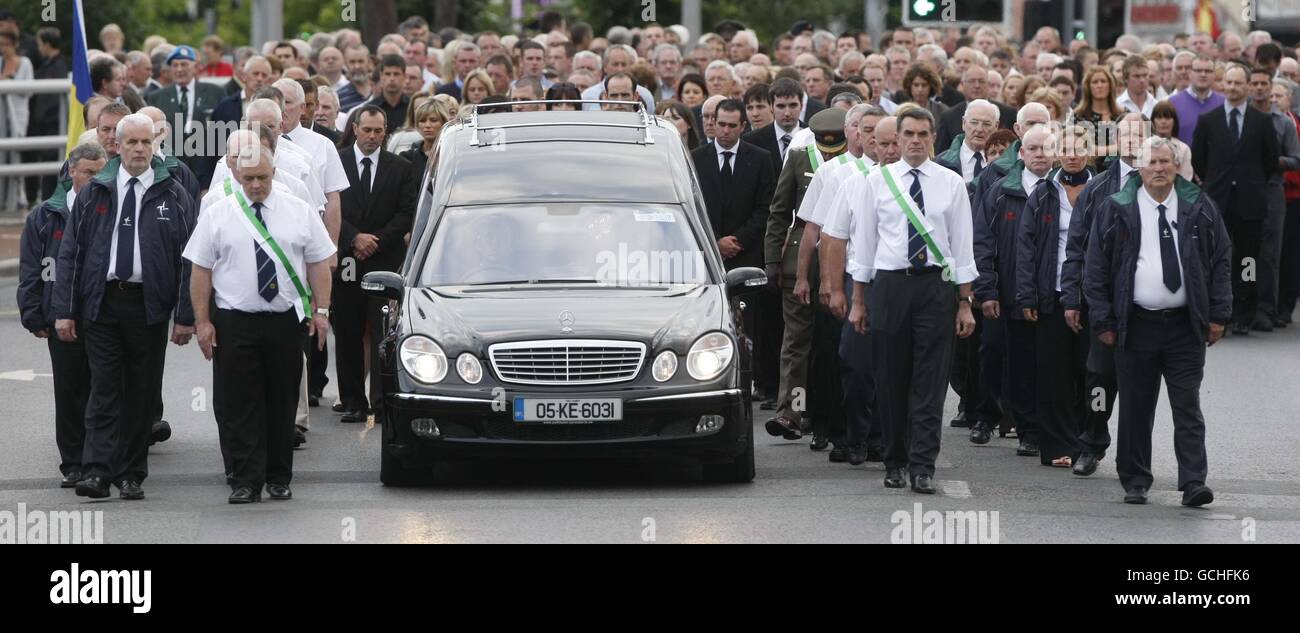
470	370
665	366
423	360
709	356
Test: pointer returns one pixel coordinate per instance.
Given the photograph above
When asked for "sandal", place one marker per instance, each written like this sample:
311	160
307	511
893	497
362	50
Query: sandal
1062	462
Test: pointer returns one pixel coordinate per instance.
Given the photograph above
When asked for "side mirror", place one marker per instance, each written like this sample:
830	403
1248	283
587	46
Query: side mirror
742	281
383	284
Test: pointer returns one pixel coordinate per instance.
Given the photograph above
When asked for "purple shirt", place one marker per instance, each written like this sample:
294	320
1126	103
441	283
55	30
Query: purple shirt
1190	109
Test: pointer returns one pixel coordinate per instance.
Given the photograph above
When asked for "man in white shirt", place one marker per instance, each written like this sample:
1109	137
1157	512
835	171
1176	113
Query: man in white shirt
263	311
1137	95
289	167
324	156
913	309
1159	284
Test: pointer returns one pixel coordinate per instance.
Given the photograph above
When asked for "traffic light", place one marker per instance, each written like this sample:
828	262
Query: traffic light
939	13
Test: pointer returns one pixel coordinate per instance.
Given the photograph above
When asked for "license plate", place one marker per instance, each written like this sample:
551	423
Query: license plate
568	410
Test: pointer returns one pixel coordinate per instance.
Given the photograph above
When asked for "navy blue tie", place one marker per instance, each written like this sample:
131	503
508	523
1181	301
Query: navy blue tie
124	268
1168	254
266	285
915	241
1234	128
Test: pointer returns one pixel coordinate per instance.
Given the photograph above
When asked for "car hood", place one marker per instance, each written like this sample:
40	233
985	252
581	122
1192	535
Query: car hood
466	319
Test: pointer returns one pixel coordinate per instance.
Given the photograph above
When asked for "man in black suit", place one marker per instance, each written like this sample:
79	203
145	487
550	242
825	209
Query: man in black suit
787	103
738	182
44	108
974	85
1235	152
378	209
186	105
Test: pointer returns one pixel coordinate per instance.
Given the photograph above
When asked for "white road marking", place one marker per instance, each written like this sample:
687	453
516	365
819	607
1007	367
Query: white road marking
956	489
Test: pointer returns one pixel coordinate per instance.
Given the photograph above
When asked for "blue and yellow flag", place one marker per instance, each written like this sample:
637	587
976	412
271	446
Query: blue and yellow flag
81	91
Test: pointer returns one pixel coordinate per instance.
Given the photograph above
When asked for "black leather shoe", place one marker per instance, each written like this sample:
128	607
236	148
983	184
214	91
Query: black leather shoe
278	492
1027	448
819	443
894	478
1241	329
130	490
783	427
1087	464
960	422
244	495
70	480
839	454
162	431
806	426
299	437
93	487
924	484
768	405
1137	495
1262	323
337	407
857	455
1197	494
875	453
980	433
1279	323
313	400
353	417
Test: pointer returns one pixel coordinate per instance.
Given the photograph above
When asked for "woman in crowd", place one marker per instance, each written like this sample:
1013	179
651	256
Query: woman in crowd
920	85
563	91
1164	123
402	137
693	90
1011	88
430	117
682	117
478	86
13	67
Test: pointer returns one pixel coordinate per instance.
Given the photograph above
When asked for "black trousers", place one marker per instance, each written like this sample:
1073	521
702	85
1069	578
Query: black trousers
156	379
1062	380
257	369
41	187
857	386
825	398
1289	278
1270	250
318	360
769	330
1022	383
121	350
912	319
1247	236
1102	389
992	343
352	313
71	393
1160	344
965	375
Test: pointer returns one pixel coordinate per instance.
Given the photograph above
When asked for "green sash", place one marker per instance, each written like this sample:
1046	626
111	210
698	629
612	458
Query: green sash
304	293
904	204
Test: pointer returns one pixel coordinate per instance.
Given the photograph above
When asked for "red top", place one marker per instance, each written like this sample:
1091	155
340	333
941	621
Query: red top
1291	181
218	69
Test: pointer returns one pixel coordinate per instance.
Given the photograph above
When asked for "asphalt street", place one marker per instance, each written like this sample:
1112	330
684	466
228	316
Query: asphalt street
1250	399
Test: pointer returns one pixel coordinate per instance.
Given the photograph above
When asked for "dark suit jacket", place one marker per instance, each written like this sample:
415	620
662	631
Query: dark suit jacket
387	212
1249	162
206	98
950	122
765	139
450	88
742	212
132	99
328	132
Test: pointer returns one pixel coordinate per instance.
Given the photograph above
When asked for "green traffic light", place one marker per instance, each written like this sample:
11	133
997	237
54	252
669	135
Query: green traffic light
922	7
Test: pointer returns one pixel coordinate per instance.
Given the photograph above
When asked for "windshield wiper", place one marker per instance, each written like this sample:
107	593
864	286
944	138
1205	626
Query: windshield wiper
531	282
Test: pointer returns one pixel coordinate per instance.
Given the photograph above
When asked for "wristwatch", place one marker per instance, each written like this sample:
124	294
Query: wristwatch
968	299
325	312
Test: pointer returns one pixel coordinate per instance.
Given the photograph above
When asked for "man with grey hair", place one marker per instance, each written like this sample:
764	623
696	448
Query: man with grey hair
851	64
618	35
1159	306
666	59
720	78
618	58
139	72
123	284
743	45
39	245
322	154
709	117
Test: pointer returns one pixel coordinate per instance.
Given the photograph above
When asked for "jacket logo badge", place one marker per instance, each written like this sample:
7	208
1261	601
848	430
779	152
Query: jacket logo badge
162	212
1010	216
58	235
102	209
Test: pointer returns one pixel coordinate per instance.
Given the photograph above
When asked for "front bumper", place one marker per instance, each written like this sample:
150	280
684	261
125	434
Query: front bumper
656	423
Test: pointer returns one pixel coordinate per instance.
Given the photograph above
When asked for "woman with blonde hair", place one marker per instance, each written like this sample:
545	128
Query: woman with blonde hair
1049	98
1011	88
478	86
430	118
406	134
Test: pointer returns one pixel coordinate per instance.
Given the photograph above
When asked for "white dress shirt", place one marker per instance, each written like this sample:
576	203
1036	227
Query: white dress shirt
1064	211
281	184
719	149
826	184
188	106
880	235
146	181
1149	290
323	157
1127	102
966	156
287	163
1124	170
593	94
222	242
831	210
374	164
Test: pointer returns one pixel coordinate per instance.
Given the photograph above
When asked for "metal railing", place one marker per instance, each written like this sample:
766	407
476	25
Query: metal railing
638	106
11	165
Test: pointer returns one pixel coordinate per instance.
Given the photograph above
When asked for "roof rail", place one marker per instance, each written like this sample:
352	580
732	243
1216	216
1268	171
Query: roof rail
647	119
